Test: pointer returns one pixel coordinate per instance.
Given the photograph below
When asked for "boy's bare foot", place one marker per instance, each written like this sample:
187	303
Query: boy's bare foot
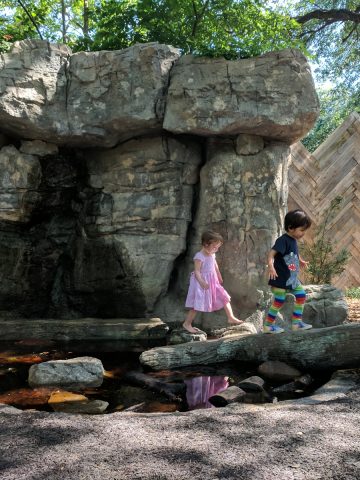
235	321
191	329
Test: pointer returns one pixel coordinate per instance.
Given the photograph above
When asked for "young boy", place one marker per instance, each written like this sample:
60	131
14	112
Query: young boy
284	264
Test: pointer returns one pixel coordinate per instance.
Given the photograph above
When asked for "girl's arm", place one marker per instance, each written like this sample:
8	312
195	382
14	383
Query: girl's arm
198	276
270	262
218	272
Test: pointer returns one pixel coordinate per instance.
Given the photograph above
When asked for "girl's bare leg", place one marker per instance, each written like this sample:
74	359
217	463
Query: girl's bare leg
230	315
187	325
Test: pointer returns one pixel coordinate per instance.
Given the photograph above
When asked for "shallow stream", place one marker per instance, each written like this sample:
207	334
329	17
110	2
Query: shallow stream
118	359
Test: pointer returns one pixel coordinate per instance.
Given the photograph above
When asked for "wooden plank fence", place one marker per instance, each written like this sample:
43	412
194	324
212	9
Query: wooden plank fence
316	179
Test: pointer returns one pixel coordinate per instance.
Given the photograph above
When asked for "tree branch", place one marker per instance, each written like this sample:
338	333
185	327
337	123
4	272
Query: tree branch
334	15
30	17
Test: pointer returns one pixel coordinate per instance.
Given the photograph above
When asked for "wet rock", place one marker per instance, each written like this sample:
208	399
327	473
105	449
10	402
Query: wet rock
252	384
230	395
75	373
129	396
254	389
183	336
278	371
69	402
27	397
299	384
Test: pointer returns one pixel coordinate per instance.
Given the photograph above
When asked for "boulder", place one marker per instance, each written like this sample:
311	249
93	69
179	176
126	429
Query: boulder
75	373
86	98
325	306
68	402
277	371
272	96
181	145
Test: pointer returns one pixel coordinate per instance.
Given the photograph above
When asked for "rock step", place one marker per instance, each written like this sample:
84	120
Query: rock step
86	329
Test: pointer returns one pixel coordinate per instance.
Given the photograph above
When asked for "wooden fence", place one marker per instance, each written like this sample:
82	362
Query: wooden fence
316	179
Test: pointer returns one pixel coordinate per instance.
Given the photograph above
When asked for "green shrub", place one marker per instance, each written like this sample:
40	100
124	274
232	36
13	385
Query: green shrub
324	264
353	292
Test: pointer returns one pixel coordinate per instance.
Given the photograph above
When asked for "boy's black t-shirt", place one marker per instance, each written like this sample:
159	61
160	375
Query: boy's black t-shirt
286	263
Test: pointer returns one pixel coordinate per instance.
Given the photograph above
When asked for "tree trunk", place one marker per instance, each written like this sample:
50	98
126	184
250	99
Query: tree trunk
86	19
316	349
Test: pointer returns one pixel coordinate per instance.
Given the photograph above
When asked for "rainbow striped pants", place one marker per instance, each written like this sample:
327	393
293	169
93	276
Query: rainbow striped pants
279	295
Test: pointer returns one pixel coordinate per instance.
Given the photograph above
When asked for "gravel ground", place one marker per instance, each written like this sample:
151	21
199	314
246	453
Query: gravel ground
282	442
354	309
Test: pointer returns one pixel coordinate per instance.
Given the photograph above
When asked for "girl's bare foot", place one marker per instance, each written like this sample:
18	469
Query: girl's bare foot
235	321
191	329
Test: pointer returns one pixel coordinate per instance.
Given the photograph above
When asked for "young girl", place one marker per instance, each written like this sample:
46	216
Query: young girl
205	292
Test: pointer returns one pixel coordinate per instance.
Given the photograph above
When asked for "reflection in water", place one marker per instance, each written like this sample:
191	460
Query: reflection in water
200	389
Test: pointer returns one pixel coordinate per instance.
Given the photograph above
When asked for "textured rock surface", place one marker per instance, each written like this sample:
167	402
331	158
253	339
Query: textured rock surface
91	330
83	99
20	177
80	372
243	198
325	307
271	96
113	163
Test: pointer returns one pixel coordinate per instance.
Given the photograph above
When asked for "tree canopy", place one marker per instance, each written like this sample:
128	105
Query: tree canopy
326	30
331	31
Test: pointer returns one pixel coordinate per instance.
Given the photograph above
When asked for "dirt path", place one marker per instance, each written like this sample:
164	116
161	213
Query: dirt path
278	442
354	309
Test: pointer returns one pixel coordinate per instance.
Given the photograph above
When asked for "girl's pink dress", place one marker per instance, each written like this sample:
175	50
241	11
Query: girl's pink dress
211	299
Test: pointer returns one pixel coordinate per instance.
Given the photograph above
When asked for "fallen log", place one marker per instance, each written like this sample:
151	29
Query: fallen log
317	349
174	391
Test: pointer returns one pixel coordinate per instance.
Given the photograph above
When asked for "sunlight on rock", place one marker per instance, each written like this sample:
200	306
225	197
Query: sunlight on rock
27	397
62	396
28	358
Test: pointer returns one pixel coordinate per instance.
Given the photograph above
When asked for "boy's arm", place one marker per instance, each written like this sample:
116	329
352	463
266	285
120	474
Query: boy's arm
303	263
270	262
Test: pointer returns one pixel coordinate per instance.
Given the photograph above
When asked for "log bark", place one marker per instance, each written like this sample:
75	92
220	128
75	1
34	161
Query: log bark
317	349
173	391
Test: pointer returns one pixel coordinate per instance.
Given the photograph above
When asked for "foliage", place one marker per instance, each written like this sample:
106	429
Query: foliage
335	105
66	21
234	29
333	36
353	292
324	264
331	31
327	30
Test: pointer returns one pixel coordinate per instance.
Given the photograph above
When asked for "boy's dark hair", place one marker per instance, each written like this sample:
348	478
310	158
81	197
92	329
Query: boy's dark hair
296	219
211	237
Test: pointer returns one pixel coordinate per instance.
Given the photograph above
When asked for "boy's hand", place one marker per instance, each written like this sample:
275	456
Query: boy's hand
272	273
303	263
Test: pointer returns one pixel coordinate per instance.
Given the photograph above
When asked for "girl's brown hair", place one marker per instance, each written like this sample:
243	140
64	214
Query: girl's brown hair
211	237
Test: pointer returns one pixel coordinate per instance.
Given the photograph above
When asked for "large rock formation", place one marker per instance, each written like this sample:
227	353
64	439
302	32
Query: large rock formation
113	163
